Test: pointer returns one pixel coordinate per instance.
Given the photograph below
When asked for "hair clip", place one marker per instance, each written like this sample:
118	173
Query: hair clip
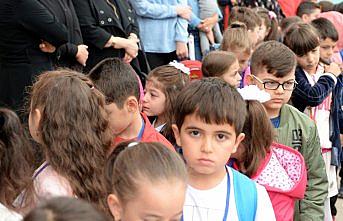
272	15
180	67
132	144
252	92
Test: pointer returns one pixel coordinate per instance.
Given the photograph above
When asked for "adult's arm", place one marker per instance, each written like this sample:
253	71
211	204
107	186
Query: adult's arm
148	9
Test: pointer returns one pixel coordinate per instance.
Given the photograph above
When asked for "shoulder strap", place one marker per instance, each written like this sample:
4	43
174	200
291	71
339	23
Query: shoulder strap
245	198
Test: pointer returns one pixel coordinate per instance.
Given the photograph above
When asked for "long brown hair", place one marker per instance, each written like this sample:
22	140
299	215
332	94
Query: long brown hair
236	38
16	159
170	81
258	137
217	63
74	130
271	23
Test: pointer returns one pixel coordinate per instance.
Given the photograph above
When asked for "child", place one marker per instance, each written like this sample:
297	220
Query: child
163	85
308	11
15	163
272	67
279	168
269	25
224	65
145	181
209	119
248	17
120	85
207	9
313	95
65	209
68	119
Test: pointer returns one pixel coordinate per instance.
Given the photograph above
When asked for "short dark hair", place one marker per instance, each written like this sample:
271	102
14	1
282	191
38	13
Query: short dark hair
326	6
325	28
306	8
275	57
116	80
246	16
338	7
289	21
301	38
217	63
212	100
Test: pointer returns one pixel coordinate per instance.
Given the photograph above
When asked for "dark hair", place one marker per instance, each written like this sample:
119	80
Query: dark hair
137	161
74	130
325	28
338	7
270	23
306	8
326	6
255	145
275	57
289	21
16	160
236	38
246	16
214	101
116	80
301	38
216	63
170	81
65	209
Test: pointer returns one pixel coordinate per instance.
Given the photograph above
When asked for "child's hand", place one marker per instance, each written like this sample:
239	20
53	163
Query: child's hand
333	68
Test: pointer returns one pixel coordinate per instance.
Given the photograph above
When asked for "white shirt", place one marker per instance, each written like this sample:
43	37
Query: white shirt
8	215
209	205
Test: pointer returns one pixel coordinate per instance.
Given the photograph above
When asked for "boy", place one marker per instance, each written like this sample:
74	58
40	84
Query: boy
119	83
308	11
272	69
209	119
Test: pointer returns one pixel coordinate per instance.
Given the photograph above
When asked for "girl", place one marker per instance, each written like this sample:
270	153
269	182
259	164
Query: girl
224	65
269	25
145	181
280	169
15	158
65	209
162	87
73	132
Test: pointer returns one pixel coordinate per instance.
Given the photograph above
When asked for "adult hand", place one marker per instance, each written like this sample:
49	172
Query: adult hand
208	23
127	58
46	47
82	54
181	50
334	69
184	12
131	47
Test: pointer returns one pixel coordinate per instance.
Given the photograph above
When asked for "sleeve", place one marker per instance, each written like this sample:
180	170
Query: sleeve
34	17
264	210
148	9
67	50
195	21
91	31
308	95
312	206
181	26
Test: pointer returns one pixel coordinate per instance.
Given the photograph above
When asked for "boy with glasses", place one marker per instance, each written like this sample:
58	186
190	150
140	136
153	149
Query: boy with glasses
273	70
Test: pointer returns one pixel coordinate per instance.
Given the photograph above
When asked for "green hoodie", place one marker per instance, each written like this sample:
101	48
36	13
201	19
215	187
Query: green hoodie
298	131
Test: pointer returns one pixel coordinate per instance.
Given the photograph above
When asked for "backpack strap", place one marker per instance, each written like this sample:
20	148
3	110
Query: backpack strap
245	198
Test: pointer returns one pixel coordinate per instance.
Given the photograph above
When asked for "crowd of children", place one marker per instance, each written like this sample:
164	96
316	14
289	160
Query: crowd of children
257	137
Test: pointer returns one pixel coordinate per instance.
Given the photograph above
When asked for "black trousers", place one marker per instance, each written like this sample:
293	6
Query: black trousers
158	59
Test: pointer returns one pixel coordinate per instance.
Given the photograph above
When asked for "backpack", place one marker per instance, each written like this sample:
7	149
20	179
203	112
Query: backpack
194	67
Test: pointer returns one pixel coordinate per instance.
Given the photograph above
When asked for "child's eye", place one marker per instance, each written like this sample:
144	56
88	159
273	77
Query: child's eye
195	133
153	95
221	137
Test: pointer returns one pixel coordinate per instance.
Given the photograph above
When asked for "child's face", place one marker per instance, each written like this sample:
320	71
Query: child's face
327	48
232	76
154	100
262	32
309	61
279	96
254	35
206	147
243	58
119	118
34	121
307	18
153	202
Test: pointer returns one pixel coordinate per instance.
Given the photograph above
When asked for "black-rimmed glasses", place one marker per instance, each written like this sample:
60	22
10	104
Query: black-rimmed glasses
274	85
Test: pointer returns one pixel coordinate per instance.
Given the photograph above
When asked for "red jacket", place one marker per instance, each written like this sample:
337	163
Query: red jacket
149	135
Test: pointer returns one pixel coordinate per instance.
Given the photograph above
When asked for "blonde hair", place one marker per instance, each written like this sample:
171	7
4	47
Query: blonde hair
236	38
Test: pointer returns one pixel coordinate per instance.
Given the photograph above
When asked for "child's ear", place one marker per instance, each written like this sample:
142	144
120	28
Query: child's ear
250	79
132	104
305	17
34	122
176	135
239	139
115	206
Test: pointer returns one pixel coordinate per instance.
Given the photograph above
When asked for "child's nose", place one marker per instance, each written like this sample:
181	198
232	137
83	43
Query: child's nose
207	145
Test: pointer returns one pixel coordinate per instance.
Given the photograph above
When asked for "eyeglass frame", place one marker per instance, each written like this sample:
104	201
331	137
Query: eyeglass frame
282	85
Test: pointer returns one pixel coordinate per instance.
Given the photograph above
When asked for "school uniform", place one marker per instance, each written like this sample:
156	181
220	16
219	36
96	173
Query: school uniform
24	23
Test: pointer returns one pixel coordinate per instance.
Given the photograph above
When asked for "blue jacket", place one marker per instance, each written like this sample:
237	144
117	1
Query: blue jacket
306	95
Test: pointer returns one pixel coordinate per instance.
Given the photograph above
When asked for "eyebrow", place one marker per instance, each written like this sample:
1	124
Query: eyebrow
268	79
218	131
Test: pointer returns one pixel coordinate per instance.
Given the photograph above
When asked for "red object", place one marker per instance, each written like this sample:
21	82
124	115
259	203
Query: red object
226	16
289	8
195	68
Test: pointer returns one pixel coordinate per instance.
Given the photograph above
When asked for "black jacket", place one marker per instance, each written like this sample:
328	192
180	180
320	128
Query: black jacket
99	21
65	13
23	24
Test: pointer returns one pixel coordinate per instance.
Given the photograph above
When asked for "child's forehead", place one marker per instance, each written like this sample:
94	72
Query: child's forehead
195	120
328	41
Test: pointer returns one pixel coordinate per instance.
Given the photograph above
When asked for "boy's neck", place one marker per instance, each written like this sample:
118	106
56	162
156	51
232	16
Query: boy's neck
160	120
205	181
132	131
273	113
